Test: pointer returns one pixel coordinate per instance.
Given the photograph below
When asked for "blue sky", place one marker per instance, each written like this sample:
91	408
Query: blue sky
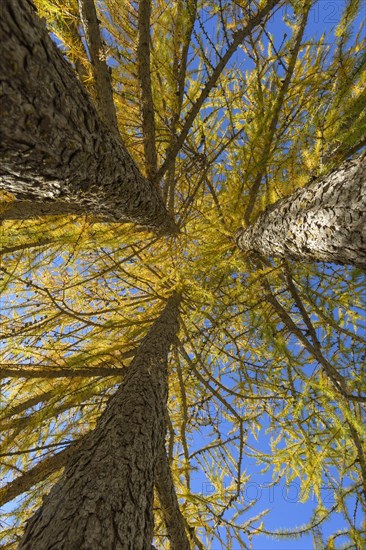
284	501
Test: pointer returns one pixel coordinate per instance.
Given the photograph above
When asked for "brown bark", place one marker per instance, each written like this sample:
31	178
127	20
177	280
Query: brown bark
325	221
101	73
53	146
171	513
24	210
147	103
38	473
104	500
58	372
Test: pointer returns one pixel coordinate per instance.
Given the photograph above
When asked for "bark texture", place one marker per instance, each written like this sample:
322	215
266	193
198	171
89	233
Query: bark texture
325	221
61	372
38	473
104	500
25	210
172	515
53	146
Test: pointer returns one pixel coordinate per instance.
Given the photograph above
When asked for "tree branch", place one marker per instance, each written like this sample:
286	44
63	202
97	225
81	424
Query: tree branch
211	82
172	515
101	72
26	246
61	372
38	473
276	114
147	103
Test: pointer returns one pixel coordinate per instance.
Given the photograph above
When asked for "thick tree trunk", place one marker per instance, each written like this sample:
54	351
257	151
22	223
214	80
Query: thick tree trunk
53	146
104	500
325	221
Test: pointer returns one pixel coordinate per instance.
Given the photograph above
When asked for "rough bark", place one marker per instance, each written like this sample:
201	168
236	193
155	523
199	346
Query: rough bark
325	221
104	500
172	515
53	145
60	372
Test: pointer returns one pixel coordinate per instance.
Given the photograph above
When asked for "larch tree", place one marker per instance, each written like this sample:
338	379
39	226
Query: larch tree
232	135
54	147
105	497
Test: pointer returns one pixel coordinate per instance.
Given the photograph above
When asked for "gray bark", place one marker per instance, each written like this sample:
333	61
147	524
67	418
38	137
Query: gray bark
53	146
104	500
325	221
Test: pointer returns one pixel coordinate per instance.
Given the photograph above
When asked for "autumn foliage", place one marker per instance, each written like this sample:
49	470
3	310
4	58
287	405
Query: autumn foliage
267	373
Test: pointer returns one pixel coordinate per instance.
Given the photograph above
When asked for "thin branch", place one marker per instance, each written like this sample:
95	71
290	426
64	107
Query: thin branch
334	376
211	82
227	405
147	103
183	423
98	58
276	114
80	66
179	69
172	515
330	371
26	246
11	411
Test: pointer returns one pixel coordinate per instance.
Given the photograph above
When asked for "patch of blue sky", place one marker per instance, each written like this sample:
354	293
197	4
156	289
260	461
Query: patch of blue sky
284	499
287	510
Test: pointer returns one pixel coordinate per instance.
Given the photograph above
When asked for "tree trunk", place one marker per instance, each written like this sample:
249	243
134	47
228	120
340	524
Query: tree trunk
53	146
101	73
325	221
104	500
171	513
25	210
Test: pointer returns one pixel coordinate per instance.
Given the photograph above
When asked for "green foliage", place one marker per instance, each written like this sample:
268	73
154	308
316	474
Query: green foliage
285	108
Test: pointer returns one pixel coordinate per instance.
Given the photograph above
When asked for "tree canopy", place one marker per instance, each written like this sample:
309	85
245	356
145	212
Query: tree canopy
224	108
